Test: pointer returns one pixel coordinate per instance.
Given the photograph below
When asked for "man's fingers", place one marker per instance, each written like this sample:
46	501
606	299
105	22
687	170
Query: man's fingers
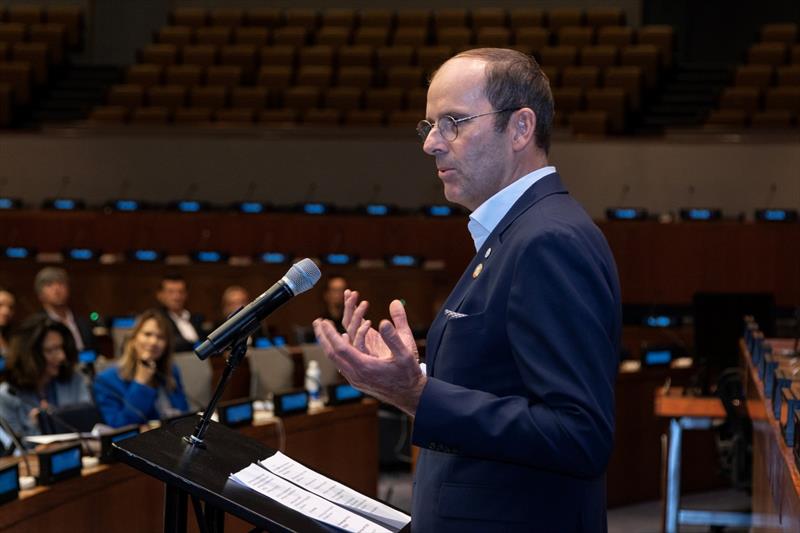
350	301
361	336
393	341
337	346
398	313
357	319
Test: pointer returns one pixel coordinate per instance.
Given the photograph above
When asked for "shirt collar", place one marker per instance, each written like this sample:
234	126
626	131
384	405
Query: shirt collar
488	215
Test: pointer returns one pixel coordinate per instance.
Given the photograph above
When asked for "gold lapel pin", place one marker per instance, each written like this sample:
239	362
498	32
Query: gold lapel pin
477	271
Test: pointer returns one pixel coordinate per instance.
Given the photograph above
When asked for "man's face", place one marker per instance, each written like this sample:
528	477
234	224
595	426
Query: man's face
474	165
173	295
55	293
334	293
234	300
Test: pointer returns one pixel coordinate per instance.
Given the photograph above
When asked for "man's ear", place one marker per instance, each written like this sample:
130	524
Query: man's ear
523	123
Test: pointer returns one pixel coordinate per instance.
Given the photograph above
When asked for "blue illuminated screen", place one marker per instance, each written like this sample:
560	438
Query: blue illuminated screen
293	402
237	413
81	254
251	207
64	204
123	322
700	214
9	481
279	341
403	260
775	214
262	342
17	252
625	214
338	259
657	357
347	392
189	206
2	364
659	321
273	257
87	356
6	203
145	255
439	210
209	257
377	210
126	205
66	460
123	436
314	209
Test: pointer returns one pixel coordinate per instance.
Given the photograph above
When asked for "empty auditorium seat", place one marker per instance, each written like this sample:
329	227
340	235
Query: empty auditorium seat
450	17
210	97
412	18
177	35
242	56
257	36
333	35
356	56
525	17
321	54
236	116
6	103
302	98
278	56
13	32
553	74
72	19
612	100
747	99
127	95
576	36
589	123
341	17
170	96
264	17
276	117
322	117
628	78
645	56
193	115
301	16
364	117
773	54
226	16
355	77
727	118
416	99
290	35
404	77
457	37
386	99
489	17
759	76
557	18
414	36
585	77
772	119
619	36
404	119
394	56
343	98
376	18
150	115
183	75
785	32
25	14
228	76
315	75
787	98
215	35
108	114
193	17
789	75
54	35
567	101
601	55
535	38
661	36
36	54
371	36
597	17
493	36
431	57
794	54
559	56
249	97
278	77
159	54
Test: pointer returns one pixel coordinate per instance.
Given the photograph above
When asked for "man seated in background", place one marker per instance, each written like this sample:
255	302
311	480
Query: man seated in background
52	288
333	308
187	328
234	298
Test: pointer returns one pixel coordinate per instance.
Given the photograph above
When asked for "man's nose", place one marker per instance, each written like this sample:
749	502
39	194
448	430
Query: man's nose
434	142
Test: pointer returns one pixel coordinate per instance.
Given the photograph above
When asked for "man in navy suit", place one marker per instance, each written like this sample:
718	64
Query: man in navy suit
514	410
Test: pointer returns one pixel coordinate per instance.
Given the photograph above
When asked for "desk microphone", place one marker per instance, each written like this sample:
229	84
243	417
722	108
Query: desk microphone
301	276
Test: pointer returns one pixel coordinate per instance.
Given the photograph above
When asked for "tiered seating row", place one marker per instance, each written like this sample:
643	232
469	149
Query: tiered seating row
32	40
766	90
371	66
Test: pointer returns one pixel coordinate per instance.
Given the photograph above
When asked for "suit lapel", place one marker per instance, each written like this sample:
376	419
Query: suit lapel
544	187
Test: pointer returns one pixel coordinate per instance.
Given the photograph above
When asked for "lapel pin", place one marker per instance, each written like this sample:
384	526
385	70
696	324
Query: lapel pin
477	271
488	253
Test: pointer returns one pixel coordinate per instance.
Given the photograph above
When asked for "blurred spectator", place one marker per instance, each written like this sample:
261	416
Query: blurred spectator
7	302
145	384
234	298
52	288
40	374
187	328
332	309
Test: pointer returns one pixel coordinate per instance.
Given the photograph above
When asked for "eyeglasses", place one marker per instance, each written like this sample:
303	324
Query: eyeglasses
448	126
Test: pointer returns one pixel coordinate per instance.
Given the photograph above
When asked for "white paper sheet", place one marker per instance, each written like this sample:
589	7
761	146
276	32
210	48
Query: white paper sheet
331	490
302	501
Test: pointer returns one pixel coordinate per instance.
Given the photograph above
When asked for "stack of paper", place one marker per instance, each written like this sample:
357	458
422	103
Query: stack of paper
308	492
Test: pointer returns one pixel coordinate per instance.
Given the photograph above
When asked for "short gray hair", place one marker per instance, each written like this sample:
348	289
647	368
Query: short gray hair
49	275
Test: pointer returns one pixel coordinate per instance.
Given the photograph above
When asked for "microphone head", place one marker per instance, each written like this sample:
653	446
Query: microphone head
302	276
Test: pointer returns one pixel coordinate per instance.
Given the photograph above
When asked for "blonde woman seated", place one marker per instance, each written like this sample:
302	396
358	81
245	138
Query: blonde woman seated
144	385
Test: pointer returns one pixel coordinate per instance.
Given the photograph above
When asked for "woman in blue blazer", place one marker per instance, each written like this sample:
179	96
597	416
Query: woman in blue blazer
144	385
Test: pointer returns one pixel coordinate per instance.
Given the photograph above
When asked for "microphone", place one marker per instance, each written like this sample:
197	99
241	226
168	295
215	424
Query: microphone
300	277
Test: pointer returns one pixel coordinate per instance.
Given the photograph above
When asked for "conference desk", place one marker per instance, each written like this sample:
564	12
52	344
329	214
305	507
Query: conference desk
341	442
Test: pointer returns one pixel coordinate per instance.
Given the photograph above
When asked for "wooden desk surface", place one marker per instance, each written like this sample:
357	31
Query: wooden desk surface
674	404
341	442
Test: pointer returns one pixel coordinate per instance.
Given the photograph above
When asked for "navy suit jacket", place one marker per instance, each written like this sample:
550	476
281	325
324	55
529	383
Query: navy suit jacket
516	421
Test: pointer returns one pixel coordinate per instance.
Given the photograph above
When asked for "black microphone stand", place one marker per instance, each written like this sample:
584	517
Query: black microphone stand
238	352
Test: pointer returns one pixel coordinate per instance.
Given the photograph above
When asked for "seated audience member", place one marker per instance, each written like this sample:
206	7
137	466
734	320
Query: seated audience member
7	302
144	385
332	307
187	328
52	288
234	298
40	374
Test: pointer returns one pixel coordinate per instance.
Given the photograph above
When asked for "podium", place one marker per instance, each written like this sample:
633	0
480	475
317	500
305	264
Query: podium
202	475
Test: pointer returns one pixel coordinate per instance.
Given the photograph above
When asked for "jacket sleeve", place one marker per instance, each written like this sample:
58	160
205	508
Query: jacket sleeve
122	403
562	323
